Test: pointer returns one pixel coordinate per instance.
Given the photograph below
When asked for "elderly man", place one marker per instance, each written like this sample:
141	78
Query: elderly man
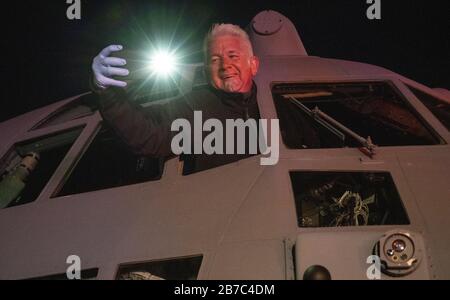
231	94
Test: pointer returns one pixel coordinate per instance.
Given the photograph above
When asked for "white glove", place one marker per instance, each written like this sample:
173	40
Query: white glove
105	67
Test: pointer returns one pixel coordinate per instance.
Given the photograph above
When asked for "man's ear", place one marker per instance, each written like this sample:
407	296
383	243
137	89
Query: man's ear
254	64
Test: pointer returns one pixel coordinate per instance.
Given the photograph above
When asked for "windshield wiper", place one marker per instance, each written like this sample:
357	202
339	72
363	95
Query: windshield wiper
326	125
336	127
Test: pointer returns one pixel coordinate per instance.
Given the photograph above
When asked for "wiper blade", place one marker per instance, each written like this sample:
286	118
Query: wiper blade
336	127
326	125
368	145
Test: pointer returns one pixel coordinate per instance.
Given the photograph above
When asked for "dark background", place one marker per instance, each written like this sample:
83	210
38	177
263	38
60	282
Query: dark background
45	57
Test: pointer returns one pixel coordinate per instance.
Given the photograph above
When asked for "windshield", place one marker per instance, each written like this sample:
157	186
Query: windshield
333	115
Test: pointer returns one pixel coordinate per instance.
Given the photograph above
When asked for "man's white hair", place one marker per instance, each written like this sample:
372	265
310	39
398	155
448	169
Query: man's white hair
226	29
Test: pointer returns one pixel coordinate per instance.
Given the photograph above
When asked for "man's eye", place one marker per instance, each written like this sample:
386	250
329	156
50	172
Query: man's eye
214	60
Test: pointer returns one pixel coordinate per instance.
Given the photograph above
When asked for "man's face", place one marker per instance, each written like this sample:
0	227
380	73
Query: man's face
230	66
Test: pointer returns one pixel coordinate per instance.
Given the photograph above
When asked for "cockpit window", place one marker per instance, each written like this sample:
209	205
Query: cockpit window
335	199
151	91
334	115
186	268
144	85
89	274
109	163
199	79
79	108
28	166
438	108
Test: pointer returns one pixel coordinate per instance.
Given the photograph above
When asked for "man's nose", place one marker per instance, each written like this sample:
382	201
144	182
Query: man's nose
225	63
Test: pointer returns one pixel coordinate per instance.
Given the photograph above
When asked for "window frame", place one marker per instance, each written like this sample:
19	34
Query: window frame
427	119
408	84
87	124
79	157
67	104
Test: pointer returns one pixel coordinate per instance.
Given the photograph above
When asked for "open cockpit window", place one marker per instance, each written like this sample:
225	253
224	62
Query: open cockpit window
109	163
200	80
28	166
147	91
145	83
334	115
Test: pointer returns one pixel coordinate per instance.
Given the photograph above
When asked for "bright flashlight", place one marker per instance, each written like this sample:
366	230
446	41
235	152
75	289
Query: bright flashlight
163	63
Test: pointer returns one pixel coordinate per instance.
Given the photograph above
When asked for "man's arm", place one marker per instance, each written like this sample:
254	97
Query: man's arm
146	131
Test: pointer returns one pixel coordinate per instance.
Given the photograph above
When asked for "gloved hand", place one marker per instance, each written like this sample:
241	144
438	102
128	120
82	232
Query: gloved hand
105	67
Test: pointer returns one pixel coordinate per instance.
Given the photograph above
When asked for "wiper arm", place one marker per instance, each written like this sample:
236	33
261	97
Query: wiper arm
369	147
332	124
326	125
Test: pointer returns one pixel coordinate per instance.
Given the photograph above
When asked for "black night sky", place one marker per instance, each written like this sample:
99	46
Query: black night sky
46	57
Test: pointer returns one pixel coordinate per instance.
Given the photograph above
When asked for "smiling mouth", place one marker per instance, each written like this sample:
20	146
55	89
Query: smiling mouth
228	77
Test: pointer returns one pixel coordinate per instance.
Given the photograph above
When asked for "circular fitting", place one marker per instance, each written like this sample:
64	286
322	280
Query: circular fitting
267	22
317	272
399	245
398	253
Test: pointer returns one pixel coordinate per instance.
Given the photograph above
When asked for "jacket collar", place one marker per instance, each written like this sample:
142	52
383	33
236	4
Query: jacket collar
236	99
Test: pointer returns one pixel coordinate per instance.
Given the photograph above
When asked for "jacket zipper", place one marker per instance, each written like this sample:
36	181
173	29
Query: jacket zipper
246	116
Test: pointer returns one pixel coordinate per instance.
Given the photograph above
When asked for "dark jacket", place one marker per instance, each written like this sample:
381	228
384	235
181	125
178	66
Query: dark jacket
147	131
